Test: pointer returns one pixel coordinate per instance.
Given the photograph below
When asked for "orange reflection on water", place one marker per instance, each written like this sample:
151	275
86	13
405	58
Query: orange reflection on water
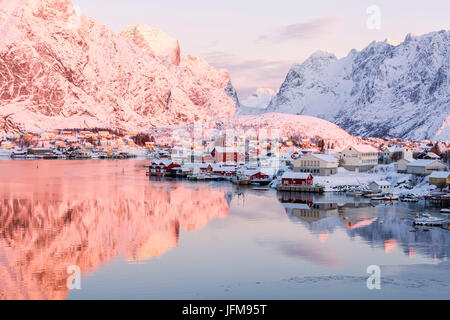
412	252
62	213
390	245
323	237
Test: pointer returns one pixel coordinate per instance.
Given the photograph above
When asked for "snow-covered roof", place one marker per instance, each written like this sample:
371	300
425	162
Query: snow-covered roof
250	172
325	157
215	166
295	175
365	148
381	183
162	162
440	174
432	155
421	163
396	149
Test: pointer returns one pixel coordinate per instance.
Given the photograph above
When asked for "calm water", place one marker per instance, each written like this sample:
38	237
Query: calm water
134	238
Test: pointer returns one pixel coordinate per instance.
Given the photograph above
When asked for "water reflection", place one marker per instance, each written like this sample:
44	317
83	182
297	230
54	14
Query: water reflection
390	226
62	213
46	227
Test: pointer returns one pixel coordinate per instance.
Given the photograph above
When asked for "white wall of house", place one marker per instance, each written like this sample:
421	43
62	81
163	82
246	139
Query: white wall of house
360	160
426	167
402	165
323	165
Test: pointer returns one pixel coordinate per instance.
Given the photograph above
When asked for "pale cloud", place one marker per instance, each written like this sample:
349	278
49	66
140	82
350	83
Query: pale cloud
326	25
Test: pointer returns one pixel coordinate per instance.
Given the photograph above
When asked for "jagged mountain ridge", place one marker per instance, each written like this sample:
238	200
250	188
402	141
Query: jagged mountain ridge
384	90
58	70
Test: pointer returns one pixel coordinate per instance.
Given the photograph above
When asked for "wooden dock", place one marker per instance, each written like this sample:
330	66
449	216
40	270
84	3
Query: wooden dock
315	189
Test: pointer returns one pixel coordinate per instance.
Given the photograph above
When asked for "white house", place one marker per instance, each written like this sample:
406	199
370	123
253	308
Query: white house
402	165
317	164
426	167
394	154
359	158
380	186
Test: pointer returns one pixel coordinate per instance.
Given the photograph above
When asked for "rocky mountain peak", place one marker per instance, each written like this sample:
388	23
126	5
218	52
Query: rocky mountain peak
155	42
399	90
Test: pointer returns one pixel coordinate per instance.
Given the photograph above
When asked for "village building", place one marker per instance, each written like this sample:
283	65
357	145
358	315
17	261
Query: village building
402	165
426	167
380	186
394	154
161	167
258	176
440	179
359	158
7	145
226	154
317	164
297	179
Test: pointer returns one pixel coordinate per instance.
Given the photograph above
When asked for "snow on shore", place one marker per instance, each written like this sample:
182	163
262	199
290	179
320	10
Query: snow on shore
400	183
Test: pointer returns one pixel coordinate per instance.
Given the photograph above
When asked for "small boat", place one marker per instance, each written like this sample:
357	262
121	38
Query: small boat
373	195
390	197
428	220
409	199
240	180
445	212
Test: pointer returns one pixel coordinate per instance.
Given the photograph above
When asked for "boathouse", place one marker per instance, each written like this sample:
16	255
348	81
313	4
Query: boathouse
297	179
161	167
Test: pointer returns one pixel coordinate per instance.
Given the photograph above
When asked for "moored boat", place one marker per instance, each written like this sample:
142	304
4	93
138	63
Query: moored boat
240	180
428	220
390	197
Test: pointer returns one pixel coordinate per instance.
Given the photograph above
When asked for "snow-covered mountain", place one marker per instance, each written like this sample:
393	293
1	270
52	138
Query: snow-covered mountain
256	103
59	70
260	98
387	89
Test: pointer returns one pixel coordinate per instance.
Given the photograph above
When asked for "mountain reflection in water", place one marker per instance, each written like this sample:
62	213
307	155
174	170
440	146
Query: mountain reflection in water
55	214
52	217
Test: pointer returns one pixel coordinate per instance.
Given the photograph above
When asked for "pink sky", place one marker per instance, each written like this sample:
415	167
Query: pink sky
258	41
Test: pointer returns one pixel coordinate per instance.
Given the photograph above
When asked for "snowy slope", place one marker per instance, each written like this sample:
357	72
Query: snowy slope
385	90
58	70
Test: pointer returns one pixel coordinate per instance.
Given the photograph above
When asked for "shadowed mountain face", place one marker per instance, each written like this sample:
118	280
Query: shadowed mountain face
60	70
72	220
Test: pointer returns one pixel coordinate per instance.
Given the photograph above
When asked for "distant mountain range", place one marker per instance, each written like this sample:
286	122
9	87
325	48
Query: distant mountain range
59	70
385	90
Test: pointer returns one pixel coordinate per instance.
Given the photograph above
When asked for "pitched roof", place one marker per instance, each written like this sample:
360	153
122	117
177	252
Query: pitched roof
421	163
365	148
440	174
382	183
325	157
295	175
